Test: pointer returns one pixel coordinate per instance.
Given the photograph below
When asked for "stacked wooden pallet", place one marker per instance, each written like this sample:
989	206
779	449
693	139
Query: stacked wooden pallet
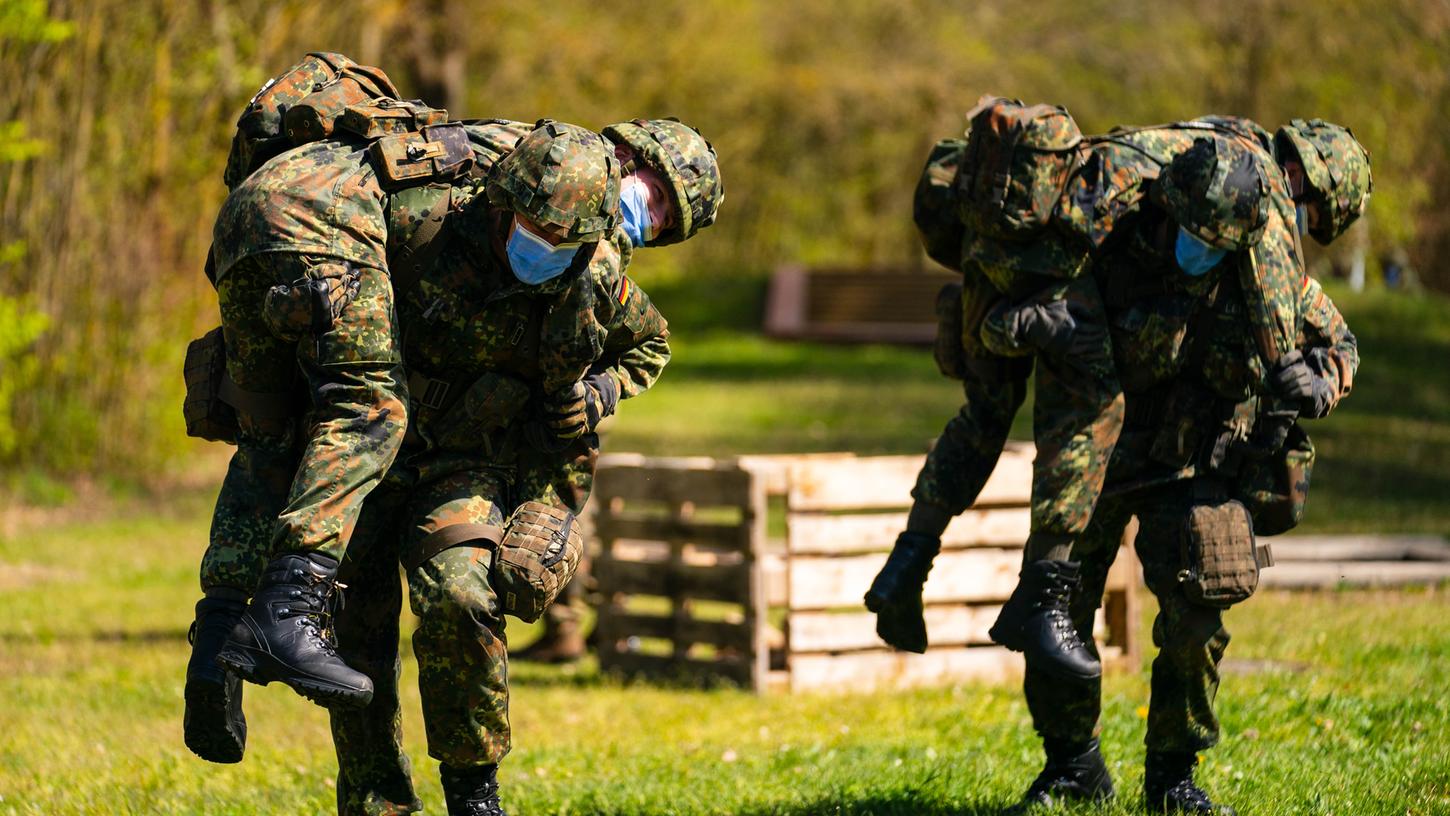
693	589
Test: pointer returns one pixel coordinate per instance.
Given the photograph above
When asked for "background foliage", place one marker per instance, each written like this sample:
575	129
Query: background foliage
115	116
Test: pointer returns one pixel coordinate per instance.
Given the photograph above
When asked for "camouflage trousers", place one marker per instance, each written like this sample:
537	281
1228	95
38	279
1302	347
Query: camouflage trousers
1190	638
460	643
295	483
1077	417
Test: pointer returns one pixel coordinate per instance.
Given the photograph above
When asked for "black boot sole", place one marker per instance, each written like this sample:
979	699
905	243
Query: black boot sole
213	725
261	668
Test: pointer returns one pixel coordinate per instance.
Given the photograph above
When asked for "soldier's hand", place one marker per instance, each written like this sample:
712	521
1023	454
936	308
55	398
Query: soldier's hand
602	397
1292	379
895	594
902	626
1060	328
1320	401
565	413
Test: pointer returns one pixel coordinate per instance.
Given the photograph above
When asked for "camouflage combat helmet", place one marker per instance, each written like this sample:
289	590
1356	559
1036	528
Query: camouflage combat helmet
1336	171
681	155
1217	191
560	176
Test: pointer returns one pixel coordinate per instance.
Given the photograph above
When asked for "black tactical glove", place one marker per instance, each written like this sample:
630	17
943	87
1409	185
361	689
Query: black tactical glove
1292	379
1320	400
602	398
565	413
895	594
1058	327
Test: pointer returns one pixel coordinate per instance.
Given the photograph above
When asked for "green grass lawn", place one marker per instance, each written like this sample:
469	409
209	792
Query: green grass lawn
1341	710
1334	703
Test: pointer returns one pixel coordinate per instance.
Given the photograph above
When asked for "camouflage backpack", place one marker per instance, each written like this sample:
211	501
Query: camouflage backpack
319	87
934	204
1017	162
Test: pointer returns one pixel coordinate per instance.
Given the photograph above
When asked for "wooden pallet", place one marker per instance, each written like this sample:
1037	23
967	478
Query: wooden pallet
842	514
679	571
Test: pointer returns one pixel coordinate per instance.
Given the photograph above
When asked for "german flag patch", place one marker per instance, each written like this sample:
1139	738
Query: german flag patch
624	289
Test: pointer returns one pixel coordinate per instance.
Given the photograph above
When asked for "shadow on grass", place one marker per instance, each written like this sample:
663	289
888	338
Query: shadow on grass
903	804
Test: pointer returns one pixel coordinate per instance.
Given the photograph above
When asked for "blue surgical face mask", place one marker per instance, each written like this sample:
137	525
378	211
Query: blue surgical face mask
1301	216
1194	256
534	260
634	211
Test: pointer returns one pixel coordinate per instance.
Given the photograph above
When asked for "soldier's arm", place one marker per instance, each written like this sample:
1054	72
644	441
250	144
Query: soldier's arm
1271	275
1329	346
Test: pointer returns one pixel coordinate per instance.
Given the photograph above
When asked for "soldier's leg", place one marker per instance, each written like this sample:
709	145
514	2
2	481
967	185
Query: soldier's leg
342	320
1077	416
956	469
374	773
1191	640
253	492
1065	711
460	643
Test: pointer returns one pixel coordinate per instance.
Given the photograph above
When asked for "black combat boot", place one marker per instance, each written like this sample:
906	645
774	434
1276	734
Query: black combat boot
1168	785
1075	772
213	725
286	634
1036	622
471	791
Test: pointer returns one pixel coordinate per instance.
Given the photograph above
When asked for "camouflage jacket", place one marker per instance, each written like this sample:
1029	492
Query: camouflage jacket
482	348
319	199
1206	411
1112	182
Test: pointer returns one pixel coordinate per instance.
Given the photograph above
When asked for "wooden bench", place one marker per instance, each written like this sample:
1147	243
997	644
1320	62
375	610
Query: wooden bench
854	305
693	589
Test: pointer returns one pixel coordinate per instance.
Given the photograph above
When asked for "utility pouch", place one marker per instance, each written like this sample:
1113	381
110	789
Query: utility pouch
1220	564
207	415
377	118
537	557
312	304
490	404
1276	489
950	356
437	152
1181	426
315	116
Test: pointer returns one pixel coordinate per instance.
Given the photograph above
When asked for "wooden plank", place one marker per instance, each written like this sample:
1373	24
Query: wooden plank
723	484
663	667
819	582
946	625
867	671
955	625
675	529
774	575
1331	574
726	634
1360	548
824	534
674	580
774	468
885	482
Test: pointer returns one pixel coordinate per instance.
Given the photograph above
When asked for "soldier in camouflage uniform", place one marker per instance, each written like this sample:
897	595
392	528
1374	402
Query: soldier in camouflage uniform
1078	409
509	379
306	307
1201	437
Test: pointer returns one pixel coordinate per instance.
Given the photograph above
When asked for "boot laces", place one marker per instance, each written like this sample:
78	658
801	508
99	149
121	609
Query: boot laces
1188	793
321	600
1066	632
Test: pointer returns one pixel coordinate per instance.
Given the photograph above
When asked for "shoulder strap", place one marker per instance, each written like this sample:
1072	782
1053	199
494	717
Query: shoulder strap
407	265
